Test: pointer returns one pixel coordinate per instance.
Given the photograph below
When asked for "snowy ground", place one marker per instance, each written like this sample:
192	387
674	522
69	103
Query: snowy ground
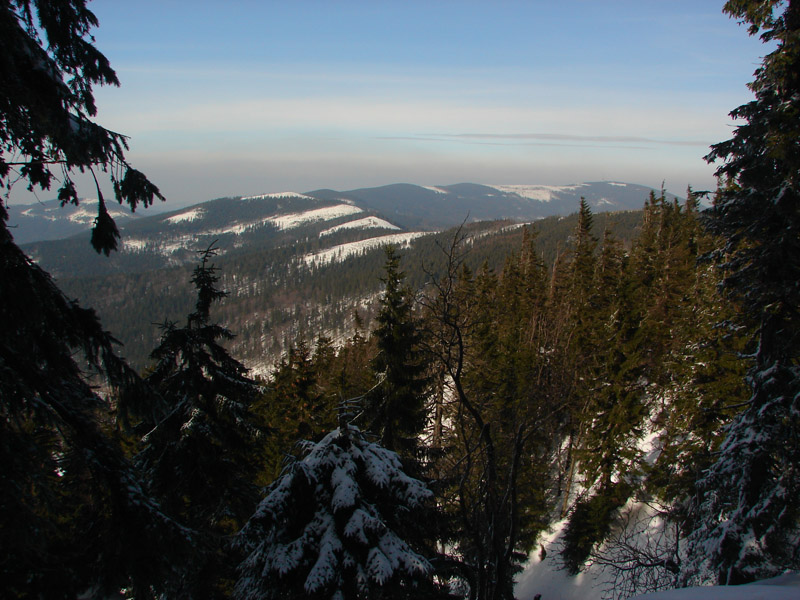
546	577
342	251
365	223
785	587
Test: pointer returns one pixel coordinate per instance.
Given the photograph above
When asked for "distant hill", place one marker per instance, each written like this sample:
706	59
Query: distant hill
407	206
437	207
51	221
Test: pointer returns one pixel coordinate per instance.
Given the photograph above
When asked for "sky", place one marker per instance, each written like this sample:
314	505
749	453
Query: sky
247	97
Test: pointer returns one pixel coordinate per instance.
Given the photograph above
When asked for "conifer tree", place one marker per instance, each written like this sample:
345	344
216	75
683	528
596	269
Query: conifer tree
702	374
574	283
748	520
335	525
73	515
395	407
295	407
484	461
199	458
604	415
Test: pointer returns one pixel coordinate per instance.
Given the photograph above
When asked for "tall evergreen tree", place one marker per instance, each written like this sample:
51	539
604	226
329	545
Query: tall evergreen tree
199	458
395	407
748	519
572	288
73	515
701	374
483	461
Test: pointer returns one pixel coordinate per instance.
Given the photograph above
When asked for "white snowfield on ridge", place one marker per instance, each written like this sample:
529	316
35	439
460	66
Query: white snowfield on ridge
784	587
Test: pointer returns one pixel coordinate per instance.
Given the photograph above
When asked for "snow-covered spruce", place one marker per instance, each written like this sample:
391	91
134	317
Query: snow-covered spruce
331	526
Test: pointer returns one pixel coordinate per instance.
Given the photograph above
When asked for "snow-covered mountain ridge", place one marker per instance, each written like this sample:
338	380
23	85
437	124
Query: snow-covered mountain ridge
405	206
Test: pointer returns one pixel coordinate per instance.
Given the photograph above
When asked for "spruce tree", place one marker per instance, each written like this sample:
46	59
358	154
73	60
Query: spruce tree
701	375
199	459
748	517
295	407
73	515
395	407
335	525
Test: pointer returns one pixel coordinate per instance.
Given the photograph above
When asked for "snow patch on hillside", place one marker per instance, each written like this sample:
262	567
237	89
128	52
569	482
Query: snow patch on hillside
133	244
343	251
365	223
51	214
83	215
435	189
238	228
163	247
278	195
189	215
482	234
328	213
540	193
616	184
291	220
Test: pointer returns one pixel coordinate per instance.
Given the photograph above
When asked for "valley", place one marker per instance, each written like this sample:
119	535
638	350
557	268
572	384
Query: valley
300	265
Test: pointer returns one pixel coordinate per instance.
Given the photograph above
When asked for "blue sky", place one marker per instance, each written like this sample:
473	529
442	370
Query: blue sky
246	97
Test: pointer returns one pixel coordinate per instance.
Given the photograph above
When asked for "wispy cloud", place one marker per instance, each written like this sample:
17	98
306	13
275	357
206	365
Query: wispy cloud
604	139
548	139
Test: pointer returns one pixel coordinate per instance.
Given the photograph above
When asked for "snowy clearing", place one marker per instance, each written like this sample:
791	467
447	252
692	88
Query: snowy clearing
365	223
189	215
51	214
133	244
541	193
343	251
471	239
327	213
291	220
83	215
435	189
238	228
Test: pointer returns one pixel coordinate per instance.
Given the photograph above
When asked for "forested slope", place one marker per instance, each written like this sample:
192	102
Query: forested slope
276	297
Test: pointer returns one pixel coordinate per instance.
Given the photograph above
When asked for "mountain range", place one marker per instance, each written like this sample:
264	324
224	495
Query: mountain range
294	263
405	205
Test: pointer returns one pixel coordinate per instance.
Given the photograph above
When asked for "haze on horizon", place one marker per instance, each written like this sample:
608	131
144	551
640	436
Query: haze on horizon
249	97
